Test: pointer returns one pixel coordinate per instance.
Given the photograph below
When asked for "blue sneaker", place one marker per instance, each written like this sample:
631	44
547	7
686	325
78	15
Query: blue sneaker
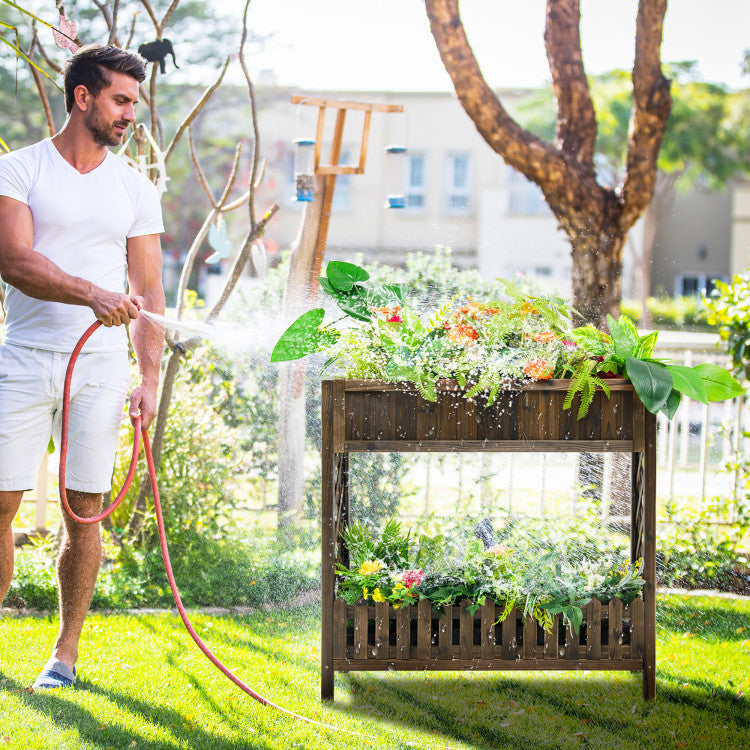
55	674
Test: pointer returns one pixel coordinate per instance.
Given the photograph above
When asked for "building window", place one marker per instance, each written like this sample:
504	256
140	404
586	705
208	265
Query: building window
524	197
694	284
416	182
458	184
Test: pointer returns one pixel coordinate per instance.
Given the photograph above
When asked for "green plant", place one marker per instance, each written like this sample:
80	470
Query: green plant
541	574
704	547
729	310
484	345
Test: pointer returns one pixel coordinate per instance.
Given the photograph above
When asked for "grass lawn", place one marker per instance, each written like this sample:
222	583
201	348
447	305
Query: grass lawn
143	684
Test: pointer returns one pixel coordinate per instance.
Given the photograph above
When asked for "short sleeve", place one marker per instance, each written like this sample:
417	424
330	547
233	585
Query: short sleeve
148	218
15	181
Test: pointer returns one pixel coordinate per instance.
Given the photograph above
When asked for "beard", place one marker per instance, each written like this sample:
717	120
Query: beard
103	132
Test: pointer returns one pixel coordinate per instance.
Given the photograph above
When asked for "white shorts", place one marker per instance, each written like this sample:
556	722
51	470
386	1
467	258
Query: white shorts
31	389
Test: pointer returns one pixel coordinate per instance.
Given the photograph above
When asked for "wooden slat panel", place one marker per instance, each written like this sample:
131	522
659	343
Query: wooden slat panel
403	630
339	629
361	611
445	634
424	624
615	629
601	665
466	633
637	632
487	649
426	420
510	647
529	415
529	638
406	415
572	643
594	630
429	445
551	650
382	624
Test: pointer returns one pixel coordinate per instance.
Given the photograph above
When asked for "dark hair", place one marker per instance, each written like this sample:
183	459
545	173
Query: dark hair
89	65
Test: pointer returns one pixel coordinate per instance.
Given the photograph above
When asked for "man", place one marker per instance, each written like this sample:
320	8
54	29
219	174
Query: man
75	221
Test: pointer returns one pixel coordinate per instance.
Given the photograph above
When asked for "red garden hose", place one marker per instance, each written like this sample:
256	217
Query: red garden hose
160	523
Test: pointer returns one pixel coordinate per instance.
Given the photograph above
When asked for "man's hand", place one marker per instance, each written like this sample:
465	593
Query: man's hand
114	308
143	404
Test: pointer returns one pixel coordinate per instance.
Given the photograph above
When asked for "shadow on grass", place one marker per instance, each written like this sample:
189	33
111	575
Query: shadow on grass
64	713
711	621
500	711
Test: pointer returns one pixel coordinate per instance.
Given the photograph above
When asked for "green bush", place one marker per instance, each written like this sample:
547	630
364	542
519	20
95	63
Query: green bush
34	584
667	312
704	548
729	310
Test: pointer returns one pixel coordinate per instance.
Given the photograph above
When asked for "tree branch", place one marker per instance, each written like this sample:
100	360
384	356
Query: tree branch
40	88
195	111
652	104
198	169
520	149
576	120
254	115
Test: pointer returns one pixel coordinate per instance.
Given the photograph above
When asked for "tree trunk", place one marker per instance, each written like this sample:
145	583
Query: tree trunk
596	219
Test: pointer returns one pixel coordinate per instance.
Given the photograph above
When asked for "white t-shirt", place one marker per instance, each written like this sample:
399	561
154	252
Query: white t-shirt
81	223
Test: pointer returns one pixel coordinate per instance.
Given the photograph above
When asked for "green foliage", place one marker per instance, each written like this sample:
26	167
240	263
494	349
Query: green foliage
199	456
535	565
34	584
729	310
705	547
668	312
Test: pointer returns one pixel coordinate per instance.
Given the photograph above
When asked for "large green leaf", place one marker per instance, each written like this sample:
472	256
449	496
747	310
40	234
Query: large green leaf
652	382
624	335
646	345
688	381
672	403
302	337
719	384
343	276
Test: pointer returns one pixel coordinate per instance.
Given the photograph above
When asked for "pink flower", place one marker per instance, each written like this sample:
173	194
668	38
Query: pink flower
395	319
411	578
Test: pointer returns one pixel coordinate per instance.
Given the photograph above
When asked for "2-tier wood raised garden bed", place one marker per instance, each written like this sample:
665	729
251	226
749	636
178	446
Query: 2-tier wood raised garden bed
366	415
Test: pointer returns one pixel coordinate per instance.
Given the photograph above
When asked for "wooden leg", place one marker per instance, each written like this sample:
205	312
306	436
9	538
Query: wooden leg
649	559
328	467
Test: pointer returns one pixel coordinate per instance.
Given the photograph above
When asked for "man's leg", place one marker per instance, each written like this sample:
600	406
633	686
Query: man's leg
77	568
9	502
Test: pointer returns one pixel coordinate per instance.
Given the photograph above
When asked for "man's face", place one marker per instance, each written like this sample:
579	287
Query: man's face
109	114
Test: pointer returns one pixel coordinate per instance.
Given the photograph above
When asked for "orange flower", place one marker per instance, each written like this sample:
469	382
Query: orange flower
545	337
463	334
538	369
388	311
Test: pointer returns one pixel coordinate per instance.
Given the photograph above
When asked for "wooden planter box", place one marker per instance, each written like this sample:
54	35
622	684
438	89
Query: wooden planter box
361	415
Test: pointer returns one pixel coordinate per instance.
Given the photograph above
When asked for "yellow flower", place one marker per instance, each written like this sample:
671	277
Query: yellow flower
365	592
377	596
370	566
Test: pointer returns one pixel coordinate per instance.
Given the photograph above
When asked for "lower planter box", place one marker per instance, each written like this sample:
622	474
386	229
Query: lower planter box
377	636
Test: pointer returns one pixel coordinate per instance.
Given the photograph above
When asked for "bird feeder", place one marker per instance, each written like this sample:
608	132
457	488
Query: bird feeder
304	168
395	177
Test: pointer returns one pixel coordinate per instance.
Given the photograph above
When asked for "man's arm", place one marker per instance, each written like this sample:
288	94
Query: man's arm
144	276
37	276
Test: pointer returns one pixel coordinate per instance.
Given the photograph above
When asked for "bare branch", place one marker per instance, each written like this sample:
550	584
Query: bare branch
195	111
113	28
147	5
240	262
131	34
241	201
198	169
203	232
40	88
576	120
254	114
171	9
47	59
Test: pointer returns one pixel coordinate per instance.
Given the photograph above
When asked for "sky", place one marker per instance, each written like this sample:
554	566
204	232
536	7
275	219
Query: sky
387	44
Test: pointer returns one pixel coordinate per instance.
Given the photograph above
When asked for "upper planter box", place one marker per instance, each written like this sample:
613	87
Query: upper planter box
371	415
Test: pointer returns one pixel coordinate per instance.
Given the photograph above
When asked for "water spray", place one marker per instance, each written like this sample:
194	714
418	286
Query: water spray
141	436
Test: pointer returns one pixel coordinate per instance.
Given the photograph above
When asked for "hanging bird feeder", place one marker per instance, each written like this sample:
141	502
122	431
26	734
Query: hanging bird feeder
304	168
395	176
